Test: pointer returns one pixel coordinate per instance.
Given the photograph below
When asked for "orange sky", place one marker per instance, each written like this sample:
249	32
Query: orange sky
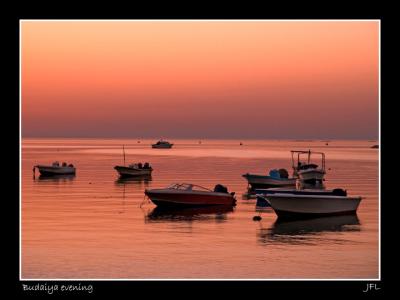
208	79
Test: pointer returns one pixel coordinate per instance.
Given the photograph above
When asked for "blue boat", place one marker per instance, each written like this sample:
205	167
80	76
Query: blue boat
276	178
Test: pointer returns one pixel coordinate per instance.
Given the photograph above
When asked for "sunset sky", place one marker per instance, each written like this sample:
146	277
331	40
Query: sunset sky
200	79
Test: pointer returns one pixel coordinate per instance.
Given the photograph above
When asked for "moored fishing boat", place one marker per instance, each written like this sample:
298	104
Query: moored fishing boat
134	169
290	205
276	178
55	169
185	194
306	171
261	194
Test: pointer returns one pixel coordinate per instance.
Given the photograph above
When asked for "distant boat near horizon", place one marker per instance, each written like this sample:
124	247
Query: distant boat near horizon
162	145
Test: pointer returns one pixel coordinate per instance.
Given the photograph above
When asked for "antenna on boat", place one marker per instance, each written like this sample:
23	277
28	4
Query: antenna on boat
123	150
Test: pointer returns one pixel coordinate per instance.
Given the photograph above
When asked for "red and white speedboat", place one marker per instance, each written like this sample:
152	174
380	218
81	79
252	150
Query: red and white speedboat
185	194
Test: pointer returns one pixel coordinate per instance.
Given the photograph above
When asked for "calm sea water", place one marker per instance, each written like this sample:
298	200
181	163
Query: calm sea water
92	225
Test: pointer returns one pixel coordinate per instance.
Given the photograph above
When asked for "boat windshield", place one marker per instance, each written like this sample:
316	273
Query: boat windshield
188	187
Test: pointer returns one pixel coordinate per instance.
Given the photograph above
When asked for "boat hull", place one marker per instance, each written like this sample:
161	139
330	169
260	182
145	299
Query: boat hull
132	172
161	146
260	181
53	170
313	192
289	206
177	198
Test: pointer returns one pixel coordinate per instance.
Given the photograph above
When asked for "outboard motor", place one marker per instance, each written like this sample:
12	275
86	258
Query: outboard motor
339	192
283	173
219	188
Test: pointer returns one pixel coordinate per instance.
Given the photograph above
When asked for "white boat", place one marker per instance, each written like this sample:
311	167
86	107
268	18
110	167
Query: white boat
162	145
55	169
332	192
262	201
134	170
306	171
296	205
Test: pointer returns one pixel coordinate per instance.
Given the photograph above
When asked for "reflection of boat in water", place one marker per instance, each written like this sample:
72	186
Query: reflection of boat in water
57	178
185	194
55	169
296	231
134	180
217	212
333	223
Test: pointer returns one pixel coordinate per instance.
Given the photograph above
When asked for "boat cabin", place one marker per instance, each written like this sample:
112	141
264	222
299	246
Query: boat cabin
302	160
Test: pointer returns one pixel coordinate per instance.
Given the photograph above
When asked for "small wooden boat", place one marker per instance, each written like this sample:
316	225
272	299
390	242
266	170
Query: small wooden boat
185	194
290	205
162	145
55	169
133	170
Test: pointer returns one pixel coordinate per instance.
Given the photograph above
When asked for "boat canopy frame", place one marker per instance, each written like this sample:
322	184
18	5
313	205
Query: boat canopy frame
308	153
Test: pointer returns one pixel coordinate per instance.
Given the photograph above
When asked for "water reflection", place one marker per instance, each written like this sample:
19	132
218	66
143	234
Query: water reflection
303	231
144	179
217	213
55	178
